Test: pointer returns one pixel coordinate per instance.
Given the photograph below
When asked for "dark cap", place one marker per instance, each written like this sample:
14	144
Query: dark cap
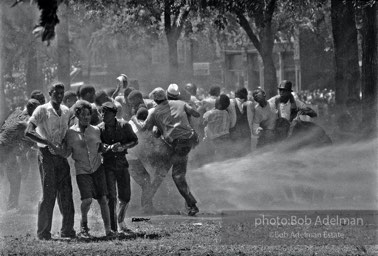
285	85
110	106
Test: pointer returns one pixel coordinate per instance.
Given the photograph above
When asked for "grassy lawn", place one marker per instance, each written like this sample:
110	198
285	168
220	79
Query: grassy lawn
162	235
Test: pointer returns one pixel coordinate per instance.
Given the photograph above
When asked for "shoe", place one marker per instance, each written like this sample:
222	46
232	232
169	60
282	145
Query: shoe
124	229
192	210
111	234
45	237
84	227
70	235
84	235
84	230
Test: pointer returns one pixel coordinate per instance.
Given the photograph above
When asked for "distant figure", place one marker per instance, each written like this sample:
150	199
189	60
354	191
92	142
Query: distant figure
122	83
69	98
38	95
126	107
48	126
192	89
209	102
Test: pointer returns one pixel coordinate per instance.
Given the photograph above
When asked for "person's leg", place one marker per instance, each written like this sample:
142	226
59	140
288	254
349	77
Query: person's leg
124	191
160	170
142	178
112	194
65	200
178	175
84	207
24	165
49	192
13	173
101	191
105	213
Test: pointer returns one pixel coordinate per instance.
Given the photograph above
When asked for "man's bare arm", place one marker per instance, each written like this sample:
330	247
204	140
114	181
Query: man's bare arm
32	134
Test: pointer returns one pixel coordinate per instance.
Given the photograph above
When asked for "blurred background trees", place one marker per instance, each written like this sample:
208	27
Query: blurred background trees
330	44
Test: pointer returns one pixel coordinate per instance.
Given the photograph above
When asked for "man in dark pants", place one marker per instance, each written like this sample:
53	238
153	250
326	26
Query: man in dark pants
171	118
119	135
48	126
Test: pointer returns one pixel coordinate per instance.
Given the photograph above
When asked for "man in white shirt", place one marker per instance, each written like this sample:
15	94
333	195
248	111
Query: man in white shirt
48	126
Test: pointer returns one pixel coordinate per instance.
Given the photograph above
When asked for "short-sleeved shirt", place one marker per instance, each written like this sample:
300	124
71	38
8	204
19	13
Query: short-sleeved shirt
218	123
122	132
84	148
265	117
50	125
172	120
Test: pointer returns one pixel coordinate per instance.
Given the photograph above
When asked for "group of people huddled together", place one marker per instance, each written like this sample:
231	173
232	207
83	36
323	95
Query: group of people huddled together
98	130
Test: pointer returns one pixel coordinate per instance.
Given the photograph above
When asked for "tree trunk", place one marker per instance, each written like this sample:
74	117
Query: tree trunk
266	51
264	44
172	52
34	76
369	69
63	46
270	76
2	82
346	50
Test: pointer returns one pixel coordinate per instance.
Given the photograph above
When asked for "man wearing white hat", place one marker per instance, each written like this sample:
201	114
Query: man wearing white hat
173	92
171	118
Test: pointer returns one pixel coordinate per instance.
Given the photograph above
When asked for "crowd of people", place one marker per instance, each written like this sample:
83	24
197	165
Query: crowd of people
101	130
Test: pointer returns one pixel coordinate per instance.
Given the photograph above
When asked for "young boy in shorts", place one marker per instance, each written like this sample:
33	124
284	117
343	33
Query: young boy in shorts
84	143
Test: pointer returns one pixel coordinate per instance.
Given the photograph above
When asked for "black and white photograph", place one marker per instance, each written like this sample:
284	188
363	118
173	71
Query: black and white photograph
178	127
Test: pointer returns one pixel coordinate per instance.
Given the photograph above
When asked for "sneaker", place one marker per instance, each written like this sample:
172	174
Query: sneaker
125	229
84	227
192	210
84	235
84	230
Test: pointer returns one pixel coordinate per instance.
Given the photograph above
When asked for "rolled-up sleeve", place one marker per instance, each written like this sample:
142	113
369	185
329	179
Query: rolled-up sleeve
37	116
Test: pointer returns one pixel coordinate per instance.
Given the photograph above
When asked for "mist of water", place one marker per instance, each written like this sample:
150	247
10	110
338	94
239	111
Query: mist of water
335	177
